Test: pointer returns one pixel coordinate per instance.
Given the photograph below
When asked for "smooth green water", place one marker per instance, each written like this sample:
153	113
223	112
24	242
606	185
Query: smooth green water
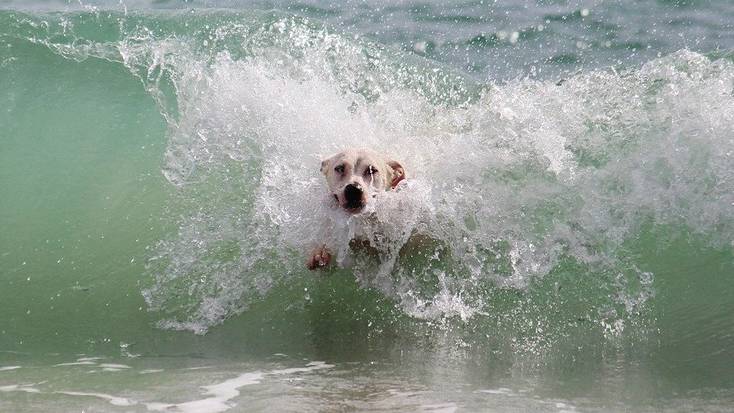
86	198
159	188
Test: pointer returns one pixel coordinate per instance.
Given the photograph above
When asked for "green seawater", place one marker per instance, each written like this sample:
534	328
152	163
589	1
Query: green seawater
159	187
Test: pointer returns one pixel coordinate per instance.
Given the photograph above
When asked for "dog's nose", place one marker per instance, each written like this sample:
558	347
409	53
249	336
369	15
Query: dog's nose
353	195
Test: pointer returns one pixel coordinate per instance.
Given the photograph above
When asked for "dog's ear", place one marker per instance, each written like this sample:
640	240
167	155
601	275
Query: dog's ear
397	175
325	165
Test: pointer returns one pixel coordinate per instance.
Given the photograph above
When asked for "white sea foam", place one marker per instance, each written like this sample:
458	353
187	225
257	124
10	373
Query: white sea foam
221	394
500	390
77	363
27	388
113	400
217	398
114	366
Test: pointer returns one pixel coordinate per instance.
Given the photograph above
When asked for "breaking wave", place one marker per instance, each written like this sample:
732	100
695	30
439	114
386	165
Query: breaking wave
508	182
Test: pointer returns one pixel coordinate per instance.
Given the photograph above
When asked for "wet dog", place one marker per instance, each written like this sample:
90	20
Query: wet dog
354	177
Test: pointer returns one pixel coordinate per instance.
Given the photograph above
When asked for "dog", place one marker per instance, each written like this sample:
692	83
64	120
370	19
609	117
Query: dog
354	177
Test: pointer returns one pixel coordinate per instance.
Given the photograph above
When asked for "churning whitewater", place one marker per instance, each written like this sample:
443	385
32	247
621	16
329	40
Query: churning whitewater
510	179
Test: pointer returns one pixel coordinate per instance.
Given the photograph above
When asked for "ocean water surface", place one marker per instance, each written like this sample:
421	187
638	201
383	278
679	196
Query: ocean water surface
571	163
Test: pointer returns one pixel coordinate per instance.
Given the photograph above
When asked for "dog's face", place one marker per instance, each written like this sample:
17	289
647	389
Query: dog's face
355	175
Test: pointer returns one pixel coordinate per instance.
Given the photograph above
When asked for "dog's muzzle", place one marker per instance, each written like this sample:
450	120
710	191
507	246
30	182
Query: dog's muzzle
353	194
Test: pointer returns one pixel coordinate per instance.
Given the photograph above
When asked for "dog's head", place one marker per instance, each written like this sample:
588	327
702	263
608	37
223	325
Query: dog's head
355	175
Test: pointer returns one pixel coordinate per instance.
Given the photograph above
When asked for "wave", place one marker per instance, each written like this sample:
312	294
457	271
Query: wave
522	185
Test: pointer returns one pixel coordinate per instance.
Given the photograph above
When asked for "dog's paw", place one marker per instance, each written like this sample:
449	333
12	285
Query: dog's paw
320	258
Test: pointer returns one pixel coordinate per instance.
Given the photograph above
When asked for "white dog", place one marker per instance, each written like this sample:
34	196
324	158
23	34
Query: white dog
354	176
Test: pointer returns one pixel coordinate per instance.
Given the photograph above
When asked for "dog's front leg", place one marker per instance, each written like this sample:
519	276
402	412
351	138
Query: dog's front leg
320	258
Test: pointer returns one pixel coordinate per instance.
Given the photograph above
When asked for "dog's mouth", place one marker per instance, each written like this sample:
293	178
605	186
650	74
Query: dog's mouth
354	207
351	205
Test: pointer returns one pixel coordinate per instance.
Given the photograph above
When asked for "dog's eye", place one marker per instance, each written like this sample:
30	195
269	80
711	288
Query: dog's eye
371	170
339	169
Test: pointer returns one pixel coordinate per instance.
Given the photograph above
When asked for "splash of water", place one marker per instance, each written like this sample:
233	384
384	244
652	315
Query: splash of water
507	184
506	181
